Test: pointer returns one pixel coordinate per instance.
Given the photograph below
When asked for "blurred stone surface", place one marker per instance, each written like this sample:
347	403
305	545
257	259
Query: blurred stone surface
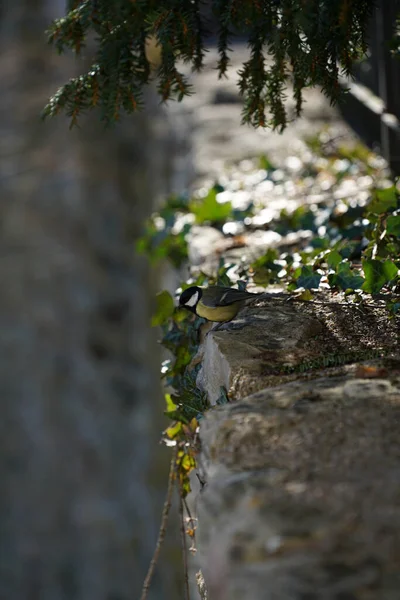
82	475
302	492
302	467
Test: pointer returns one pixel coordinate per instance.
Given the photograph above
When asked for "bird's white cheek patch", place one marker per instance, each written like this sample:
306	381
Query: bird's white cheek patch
193	300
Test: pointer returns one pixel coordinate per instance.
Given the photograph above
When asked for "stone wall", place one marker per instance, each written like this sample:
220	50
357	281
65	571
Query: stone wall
301	469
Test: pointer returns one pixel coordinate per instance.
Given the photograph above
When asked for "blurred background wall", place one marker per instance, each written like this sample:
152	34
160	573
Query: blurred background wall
82	475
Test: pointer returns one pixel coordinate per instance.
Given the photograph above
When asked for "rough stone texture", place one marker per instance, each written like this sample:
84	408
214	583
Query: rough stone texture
275	340
302	492
303	468
302	477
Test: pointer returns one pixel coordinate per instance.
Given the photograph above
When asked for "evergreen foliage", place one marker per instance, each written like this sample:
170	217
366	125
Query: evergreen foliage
303	42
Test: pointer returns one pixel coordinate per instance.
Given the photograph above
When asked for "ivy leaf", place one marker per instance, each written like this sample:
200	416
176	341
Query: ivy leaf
333	258
384	201
347	248
321	243
306	296
170	404
377	274
174	431
265	268
188	463
183	358
393	308
263	276
393	225
308	278
345	278
265	163
208	209
223	278
180	314
165	308
223	396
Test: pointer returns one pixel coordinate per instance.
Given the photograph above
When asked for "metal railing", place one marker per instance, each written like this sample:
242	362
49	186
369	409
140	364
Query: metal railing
372	107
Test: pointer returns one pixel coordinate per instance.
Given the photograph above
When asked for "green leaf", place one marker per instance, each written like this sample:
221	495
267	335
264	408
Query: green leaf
183	358
393	225
393	308
321	243
383	201
265	268
263	276
174	431
223	396
306	296
301	218
165	308
333	258
308	278
170	404
377	274
180	314
223	278
265	163
347	248
345	278
208	209
267	260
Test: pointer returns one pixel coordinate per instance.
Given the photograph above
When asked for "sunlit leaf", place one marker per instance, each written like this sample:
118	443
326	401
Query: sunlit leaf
188	463
383	201
223	278
263	276
333	258
209	209
265	163
193	425
165	308
185	486
265	268
174	431
306	296
393	225
377	274
170	404
180	314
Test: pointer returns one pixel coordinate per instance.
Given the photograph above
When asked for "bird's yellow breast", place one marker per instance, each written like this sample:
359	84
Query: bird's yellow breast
219	313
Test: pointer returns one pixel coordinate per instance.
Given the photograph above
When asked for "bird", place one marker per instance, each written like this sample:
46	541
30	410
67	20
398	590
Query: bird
215	303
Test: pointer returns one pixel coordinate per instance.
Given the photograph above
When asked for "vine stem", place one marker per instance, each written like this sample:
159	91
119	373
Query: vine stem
184	549
163	527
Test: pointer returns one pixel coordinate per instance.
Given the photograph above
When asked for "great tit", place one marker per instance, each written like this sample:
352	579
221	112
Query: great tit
215	303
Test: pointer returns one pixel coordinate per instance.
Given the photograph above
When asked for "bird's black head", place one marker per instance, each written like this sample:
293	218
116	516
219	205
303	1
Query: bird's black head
190	297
